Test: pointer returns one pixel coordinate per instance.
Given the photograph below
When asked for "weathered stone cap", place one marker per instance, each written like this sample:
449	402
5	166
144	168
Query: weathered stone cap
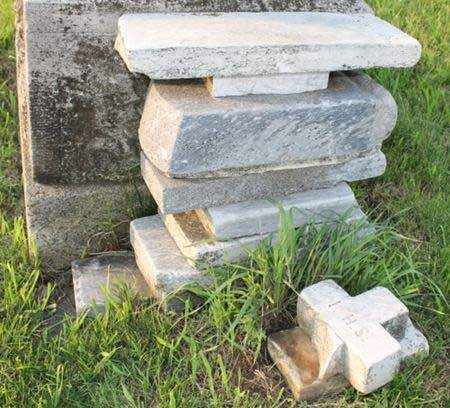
171	46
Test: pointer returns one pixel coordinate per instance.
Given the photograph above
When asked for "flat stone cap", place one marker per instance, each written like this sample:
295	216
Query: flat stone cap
182	45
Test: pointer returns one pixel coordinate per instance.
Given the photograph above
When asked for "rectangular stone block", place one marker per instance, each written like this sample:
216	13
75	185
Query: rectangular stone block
262	216
96	278
200	249
281	84
172	46
165	269
178	195
79	105
186	133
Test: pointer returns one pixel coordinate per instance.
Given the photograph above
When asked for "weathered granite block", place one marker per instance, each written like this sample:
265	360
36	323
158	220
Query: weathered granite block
63	222
165	269
296	357
262	216
371	333
95	278
181	45
80	109
267	84
201	248
178	195
186	133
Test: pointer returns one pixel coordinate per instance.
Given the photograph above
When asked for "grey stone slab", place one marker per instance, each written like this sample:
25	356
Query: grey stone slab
186	133
178	195
262	216
164	267
296	357
267	84
182	45
365	337
94	279
80	106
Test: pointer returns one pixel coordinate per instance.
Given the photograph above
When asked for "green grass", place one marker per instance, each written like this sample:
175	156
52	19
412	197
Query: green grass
135	356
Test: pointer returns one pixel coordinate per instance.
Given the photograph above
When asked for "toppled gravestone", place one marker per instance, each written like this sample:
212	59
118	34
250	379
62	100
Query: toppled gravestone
341	340
227	136
80	110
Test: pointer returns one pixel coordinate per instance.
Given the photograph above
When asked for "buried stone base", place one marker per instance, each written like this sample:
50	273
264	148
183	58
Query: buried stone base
96	278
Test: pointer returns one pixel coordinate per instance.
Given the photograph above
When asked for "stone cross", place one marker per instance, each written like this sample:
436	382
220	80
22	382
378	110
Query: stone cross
363	338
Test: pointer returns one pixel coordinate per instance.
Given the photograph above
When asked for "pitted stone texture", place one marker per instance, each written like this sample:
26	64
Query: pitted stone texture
178	195
262	216
267	84
200	249
65	221
165	269
296	357
96	278
173	46
186	133
365	337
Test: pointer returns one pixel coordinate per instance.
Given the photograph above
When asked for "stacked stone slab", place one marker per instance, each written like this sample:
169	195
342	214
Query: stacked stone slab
341	340
249	111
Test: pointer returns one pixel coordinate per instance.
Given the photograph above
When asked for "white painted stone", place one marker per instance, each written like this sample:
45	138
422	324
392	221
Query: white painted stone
170	46
262	216
365	337
165	269
281	84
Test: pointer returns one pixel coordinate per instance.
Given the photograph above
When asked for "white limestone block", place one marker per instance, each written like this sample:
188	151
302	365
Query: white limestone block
281	84
262	216
372	355
182	45
366	337
164	268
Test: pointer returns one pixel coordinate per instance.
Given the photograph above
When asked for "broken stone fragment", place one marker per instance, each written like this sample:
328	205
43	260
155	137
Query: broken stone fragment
96	278
182	45
366	338
179	195
186	133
